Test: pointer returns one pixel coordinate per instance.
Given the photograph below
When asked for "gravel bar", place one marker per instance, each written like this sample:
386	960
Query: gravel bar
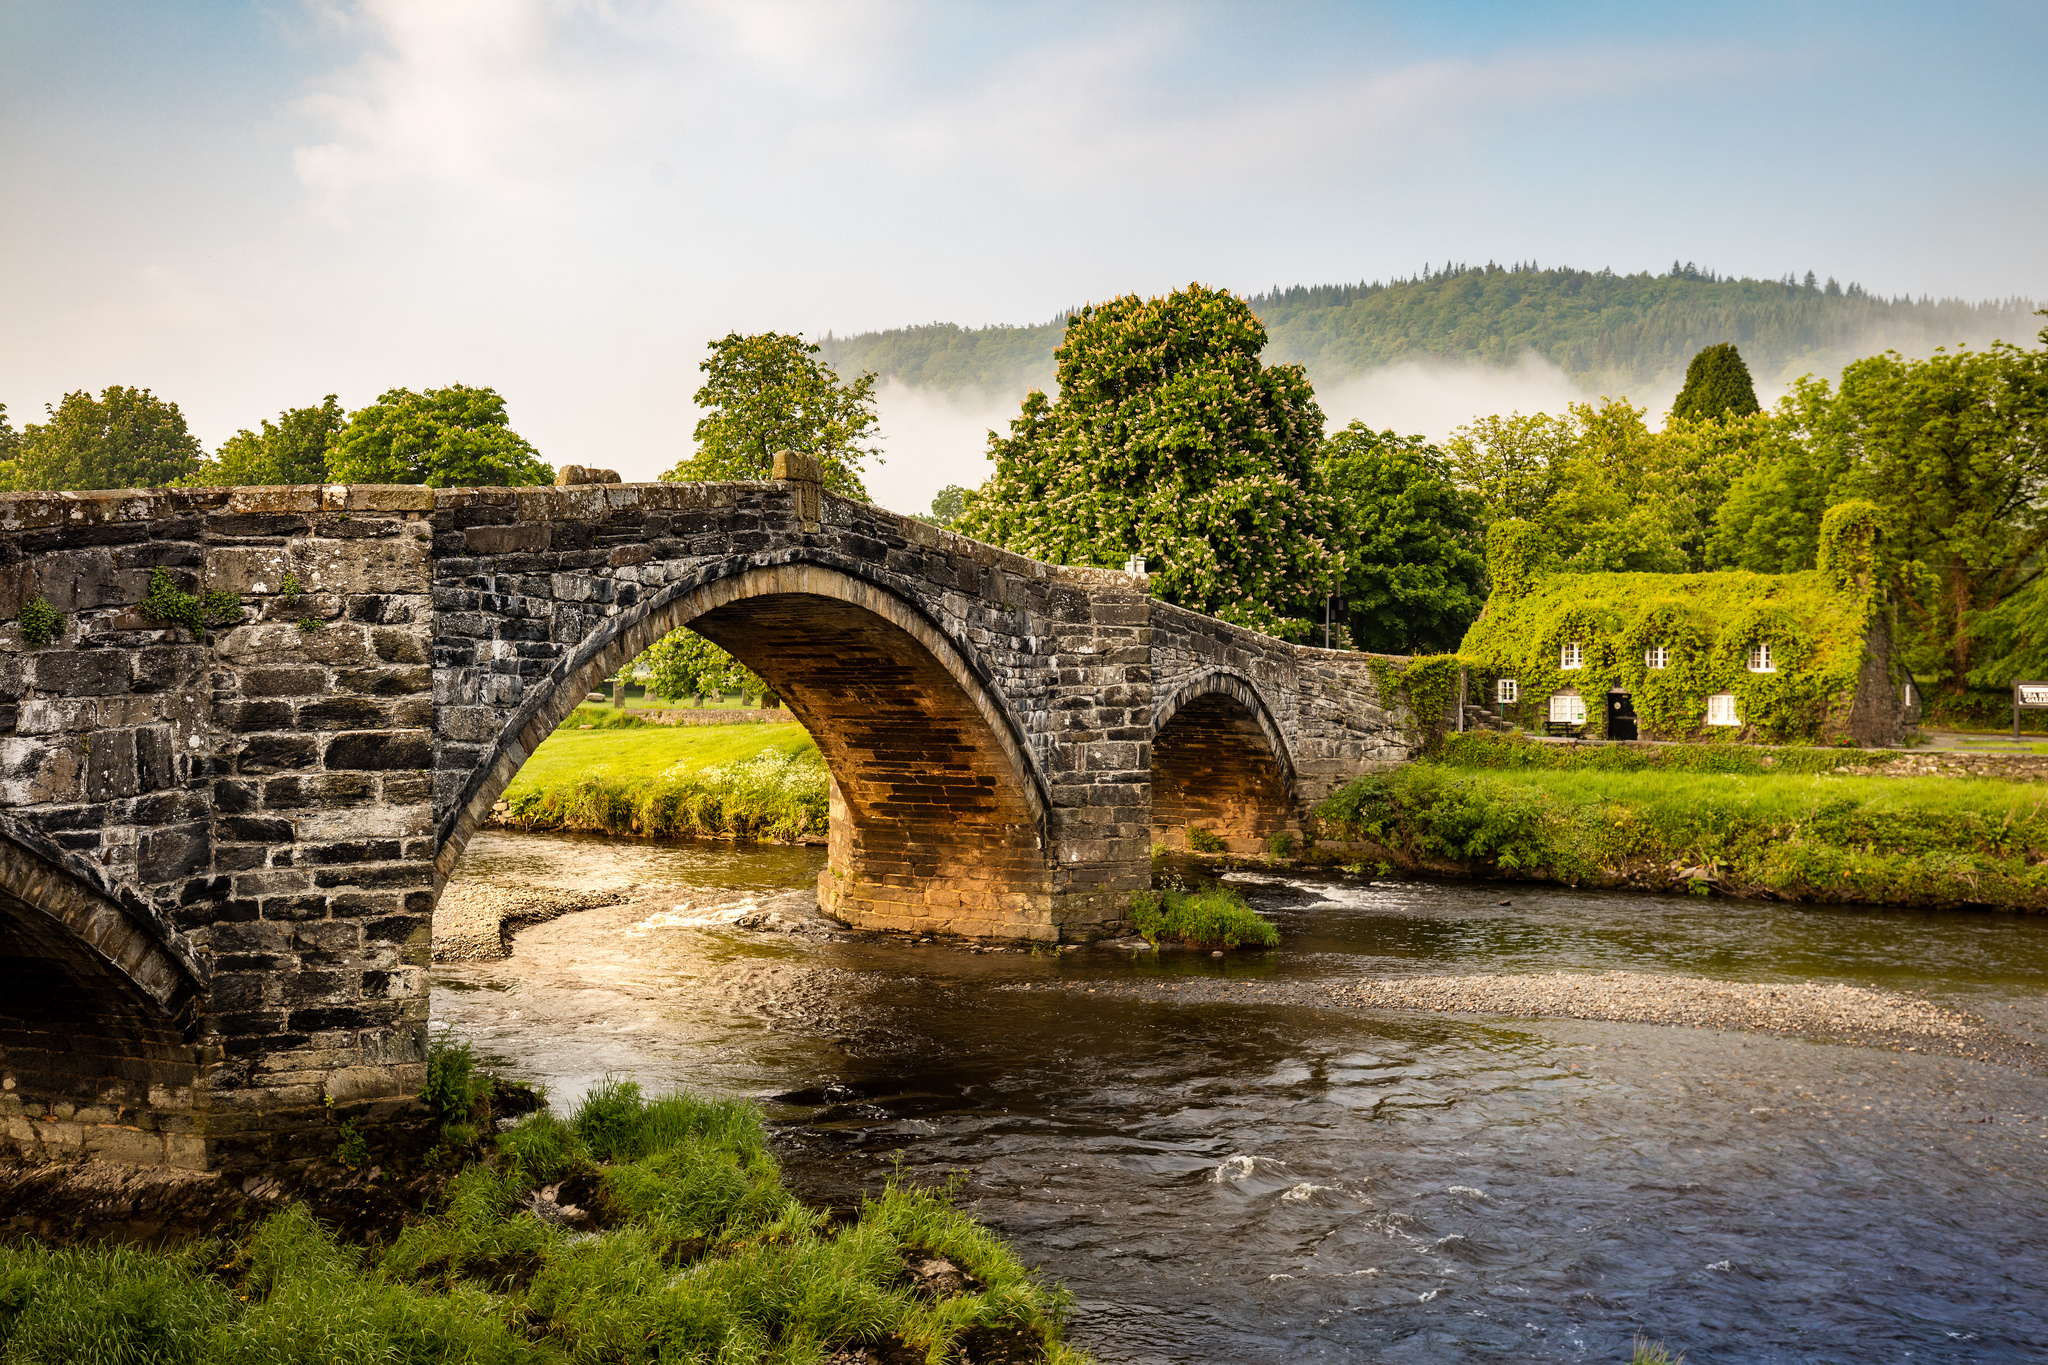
474	921
1825	1011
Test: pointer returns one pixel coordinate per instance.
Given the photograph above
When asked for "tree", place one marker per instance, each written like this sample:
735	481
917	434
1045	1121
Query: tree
768	393
1717	384
683	663
1954	450
10	440
456	437
291	450
1414	564
1602	490
947	505
1797	469
1172	441
125	438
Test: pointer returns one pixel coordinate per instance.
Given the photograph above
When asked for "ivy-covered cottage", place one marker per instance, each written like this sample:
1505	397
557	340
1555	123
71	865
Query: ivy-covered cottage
1780	658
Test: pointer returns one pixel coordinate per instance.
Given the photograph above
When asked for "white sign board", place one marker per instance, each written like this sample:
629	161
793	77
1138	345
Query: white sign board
2031	694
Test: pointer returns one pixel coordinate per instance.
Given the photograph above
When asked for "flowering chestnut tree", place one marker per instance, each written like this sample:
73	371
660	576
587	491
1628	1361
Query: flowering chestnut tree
1169	439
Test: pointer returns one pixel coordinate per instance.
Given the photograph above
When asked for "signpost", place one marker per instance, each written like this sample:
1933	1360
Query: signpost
2027	696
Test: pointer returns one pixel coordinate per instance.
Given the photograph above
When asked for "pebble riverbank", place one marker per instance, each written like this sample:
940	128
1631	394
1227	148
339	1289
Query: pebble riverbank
1829	1012
475	921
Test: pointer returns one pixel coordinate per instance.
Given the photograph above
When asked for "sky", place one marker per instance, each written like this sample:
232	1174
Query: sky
246	206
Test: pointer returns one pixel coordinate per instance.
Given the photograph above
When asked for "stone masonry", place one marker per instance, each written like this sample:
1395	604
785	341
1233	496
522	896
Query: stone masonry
219	855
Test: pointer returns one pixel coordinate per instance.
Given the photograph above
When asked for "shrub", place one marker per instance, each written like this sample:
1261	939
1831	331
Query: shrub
168	603
458	1092
1214	917
1202	841
40	622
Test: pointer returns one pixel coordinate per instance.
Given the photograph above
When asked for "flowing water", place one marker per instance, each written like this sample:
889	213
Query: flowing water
1240	1181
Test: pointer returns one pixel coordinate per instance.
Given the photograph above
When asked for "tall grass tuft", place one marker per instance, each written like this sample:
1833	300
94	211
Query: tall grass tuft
703	1256
773	795
107	1306
1212	917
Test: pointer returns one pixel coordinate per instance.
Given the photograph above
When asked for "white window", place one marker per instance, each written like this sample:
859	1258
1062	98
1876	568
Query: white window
1721	709
1571	656
1568	708
1760	658
1656	656
1506	690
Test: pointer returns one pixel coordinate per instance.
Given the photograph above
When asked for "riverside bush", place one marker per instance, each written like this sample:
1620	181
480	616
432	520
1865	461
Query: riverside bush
1212	917
1798	836
702	1255
774	795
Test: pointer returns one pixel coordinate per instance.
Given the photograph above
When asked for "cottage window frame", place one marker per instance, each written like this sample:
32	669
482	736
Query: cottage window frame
1657	657
1723	711
1567	708
1507	691
1570	655
1760	660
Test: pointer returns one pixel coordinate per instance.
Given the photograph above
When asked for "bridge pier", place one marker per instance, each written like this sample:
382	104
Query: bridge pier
219	856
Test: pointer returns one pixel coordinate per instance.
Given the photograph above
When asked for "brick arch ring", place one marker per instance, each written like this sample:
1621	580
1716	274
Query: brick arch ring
61	900
786	574
1228	682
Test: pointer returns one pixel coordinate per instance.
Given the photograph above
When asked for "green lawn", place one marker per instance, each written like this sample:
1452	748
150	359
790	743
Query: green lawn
1803	836
1671	796
640	753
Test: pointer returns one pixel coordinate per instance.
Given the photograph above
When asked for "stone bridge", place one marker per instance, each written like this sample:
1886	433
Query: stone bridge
219	855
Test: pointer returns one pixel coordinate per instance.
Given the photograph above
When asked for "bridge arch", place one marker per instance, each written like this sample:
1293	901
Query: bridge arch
1220	764
939	808
97	1054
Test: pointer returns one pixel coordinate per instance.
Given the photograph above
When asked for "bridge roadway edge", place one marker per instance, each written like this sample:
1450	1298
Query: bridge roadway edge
271	809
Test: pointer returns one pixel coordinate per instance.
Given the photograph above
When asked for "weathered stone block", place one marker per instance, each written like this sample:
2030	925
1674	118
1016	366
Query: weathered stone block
377	750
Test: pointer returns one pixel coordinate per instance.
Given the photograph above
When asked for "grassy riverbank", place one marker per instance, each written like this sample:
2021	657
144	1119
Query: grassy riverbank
1748	822
637	1231
754	781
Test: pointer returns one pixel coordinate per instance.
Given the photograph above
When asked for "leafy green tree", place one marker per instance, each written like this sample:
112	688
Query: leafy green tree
683	663
770	392
1602	489
457	437
10	440
1954	450
1797	468
291	450
1171	440
947	504
125	438
1717	384
1414	555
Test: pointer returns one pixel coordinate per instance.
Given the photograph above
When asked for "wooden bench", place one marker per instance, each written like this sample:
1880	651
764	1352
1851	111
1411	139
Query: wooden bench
1564	729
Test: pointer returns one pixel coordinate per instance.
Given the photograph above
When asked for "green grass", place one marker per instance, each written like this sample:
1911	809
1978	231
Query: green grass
631	778
704	1256
638	751
1801	836
1483	749
1211	917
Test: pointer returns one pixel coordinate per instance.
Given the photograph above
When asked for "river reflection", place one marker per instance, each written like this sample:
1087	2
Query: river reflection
1245	1182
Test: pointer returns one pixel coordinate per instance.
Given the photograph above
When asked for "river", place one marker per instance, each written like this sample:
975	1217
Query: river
1225	1180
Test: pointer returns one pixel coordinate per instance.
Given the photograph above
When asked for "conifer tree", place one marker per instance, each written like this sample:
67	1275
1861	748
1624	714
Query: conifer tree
1717	384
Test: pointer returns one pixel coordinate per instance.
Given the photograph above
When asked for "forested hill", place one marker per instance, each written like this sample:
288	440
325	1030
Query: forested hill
1608	331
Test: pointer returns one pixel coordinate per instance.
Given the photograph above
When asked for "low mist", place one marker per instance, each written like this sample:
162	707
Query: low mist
930	439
